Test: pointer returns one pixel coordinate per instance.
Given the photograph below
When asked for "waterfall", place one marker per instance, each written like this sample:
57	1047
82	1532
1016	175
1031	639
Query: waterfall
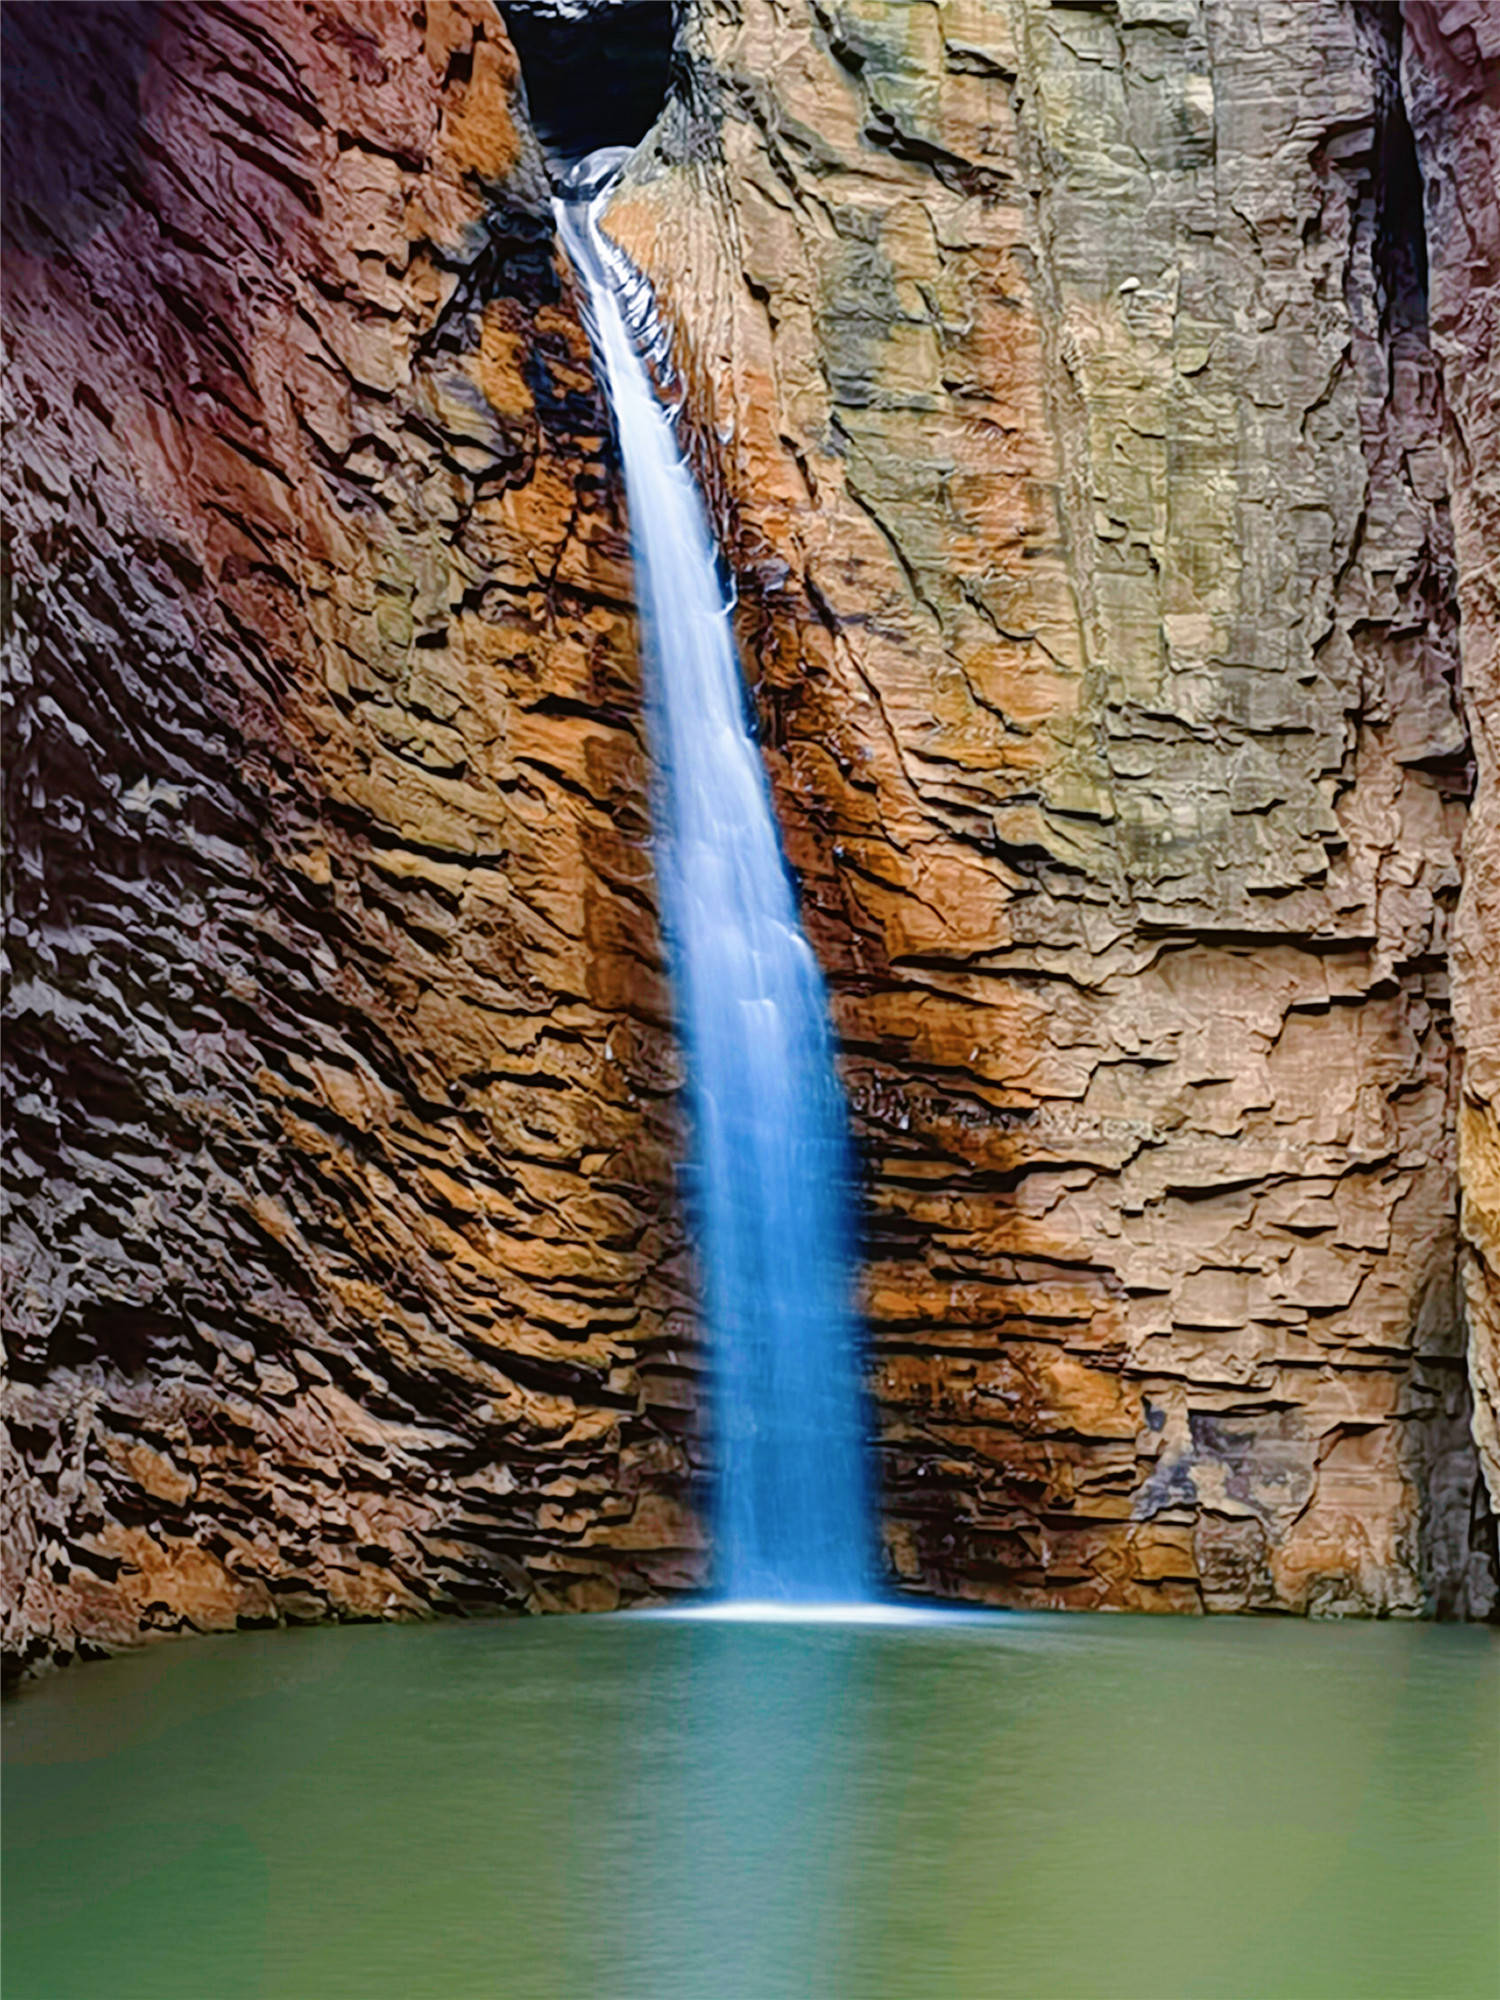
770	1188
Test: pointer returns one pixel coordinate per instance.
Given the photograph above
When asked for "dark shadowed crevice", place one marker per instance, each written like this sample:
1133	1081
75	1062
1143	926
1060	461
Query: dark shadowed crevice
71	82
595	74
1400	229
1456	1541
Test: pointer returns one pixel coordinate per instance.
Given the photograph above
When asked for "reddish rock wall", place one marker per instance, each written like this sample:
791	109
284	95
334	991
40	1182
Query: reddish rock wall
344	1275
1064	375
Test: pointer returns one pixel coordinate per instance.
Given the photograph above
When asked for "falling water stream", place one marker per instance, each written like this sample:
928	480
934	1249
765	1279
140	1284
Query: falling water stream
770	1166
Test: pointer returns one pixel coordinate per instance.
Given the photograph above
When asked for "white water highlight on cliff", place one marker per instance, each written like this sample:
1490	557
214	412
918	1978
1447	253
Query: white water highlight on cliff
770	1194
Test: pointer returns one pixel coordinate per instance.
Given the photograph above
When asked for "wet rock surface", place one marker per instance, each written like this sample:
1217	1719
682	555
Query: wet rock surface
345	1277
1064	380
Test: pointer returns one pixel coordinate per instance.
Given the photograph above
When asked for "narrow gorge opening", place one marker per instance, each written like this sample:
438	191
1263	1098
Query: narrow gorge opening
595	75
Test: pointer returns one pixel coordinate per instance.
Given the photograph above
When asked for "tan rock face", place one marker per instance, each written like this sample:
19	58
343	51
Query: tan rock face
345	1276
1450	70
1063	380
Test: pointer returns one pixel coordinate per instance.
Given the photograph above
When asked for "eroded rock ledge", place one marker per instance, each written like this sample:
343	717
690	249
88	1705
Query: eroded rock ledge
345	1273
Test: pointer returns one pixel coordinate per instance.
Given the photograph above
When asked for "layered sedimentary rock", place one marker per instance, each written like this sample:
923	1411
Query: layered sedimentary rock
1451	76
344	1269
1066	385
1063	377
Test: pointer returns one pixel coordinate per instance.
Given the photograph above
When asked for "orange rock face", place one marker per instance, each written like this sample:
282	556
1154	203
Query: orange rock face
345	1273
1063	379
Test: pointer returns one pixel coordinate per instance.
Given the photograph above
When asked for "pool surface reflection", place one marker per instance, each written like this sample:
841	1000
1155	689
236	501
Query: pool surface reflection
707	1808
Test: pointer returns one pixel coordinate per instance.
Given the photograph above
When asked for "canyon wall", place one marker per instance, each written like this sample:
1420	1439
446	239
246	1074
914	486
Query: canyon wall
1063	380
344	1276
1101	481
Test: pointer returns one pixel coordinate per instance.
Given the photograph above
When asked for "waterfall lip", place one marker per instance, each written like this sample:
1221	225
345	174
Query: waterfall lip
593	175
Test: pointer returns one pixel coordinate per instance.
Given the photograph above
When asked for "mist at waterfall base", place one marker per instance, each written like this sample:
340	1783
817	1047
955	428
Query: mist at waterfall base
770	1170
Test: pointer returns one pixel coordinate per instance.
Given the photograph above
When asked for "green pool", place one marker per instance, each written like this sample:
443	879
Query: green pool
645	1808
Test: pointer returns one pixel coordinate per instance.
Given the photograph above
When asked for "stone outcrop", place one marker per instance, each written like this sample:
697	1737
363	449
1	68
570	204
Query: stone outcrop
1451	74
344	1273
1063	378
